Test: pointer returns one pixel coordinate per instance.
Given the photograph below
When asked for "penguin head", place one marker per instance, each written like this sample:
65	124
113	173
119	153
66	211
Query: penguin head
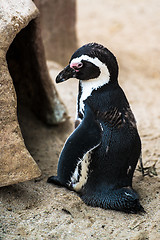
91	62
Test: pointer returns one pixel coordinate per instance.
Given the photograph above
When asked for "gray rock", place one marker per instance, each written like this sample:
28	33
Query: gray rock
16	164
24	77
27	66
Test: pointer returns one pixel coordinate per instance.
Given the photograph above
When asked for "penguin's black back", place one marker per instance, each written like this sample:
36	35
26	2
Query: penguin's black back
114	161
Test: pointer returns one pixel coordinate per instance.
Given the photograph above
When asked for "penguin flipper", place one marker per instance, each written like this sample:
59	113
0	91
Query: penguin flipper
85	137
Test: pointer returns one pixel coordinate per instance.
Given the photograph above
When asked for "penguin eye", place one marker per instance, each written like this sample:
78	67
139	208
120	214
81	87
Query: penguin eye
76	66
80	64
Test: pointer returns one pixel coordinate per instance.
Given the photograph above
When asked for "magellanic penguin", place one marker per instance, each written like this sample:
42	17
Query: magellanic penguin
99	158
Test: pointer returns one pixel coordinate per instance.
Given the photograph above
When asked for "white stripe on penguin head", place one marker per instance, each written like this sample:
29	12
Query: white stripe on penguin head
89	85
104	72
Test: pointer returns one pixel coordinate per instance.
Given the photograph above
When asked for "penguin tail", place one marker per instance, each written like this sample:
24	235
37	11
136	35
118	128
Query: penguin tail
124	199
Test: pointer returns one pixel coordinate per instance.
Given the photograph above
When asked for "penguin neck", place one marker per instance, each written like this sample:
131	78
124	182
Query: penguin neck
86	87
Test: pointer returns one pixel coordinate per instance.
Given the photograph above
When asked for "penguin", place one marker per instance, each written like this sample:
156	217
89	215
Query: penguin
99	158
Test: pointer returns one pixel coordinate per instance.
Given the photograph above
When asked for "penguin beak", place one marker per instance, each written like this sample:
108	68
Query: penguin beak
65	74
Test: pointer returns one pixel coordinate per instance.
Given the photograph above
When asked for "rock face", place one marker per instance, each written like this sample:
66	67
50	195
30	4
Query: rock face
16	164
24	77
27	66
58	19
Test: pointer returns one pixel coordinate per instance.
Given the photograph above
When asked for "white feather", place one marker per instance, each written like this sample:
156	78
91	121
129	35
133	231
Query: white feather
78	181
89	85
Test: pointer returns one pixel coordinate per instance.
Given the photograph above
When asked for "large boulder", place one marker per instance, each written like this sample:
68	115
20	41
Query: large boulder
27	66
16	164
24	77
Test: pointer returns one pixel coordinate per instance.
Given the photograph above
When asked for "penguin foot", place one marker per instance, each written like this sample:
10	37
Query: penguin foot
124	199
54	180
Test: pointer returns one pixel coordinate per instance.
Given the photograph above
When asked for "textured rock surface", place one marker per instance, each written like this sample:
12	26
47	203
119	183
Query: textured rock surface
58	20
27	66
16	164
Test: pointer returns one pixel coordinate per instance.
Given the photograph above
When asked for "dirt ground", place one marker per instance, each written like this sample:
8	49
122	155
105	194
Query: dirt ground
37	210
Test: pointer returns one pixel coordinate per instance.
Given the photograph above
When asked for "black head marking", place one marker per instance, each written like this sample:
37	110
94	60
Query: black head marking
88	62
91	71
95	50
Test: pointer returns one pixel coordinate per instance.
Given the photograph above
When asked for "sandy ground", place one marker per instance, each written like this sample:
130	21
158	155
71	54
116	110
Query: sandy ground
37	210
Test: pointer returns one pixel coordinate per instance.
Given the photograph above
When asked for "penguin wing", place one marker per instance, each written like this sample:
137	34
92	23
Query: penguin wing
86	137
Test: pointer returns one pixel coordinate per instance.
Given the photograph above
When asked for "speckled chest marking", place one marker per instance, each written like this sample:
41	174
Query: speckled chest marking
80	175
